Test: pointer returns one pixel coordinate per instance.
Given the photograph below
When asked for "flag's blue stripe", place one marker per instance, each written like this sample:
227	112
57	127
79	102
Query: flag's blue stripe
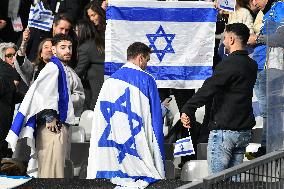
43	10
162	14
31	122
156	115
46	13
182	141
227	8
40	4
39	26
62	90
16	177
40	22
34	10
183	152
149	90
168	72
123	76
18	123
120	174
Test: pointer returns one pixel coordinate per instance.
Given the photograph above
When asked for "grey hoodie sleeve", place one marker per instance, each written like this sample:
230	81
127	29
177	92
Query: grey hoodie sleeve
77	91
273	40
26	70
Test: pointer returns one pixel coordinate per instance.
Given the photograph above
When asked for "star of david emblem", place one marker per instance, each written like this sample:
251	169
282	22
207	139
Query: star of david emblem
181	147
108	109
160	33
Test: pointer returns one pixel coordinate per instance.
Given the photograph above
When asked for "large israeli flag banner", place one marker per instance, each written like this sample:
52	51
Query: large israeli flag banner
127	130
40	18
181	35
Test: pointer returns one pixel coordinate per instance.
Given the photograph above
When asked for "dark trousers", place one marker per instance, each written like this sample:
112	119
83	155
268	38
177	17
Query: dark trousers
3	149
92	85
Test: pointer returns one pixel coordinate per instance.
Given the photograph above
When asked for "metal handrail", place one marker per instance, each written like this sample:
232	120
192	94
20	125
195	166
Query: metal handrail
236	170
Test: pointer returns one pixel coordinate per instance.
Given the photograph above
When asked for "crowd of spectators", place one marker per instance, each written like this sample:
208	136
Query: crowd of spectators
24	54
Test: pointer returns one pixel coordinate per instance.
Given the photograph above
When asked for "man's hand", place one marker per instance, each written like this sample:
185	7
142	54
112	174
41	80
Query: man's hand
26	34
252	39
26	37
185	120
2	24
53	126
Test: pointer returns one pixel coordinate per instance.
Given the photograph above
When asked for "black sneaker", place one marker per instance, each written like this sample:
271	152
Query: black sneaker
180	165
252	155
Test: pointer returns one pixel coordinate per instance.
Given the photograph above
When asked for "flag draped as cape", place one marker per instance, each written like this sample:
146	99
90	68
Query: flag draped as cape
127	131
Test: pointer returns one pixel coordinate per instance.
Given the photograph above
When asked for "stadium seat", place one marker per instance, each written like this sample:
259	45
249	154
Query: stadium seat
202	151
77	134
86	122
79	154
194	170
68	169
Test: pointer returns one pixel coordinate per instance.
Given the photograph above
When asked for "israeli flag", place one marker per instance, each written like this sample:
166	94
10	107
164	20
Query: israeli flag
13	181
184	147
227	5
40	18
49	91
127	130
181	35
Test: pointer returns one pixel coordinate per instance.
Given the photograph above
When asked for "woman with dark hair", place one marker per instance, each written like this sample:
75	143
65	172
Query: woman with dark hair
97	15
91	57
242	14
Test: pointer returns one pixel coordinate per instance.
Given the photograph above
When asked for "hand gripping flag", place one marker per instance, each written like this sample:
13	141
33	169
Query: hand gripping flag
40	18
181	35
49	91
127	130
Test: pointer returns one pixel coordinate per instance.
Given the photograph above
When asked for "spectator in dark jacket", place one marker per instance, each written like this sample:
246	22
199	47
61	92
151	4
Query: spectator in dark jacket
231	88
91	57
9	79
7	33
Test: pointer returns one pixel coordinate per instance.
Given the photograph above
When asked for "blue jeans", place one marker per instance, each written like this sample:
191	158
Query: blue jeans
260	92
226	149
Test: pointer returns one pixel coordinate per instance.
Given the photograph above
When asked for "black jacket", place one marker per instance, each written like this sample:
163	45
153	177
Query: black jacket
8	98
88	60
231	88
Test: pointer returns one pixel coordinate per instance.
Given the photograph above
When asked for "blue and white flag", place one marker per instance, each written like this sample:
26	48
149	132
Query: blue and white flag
227	5
13	181
181	35
127	130
49	91
40	18
184	147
